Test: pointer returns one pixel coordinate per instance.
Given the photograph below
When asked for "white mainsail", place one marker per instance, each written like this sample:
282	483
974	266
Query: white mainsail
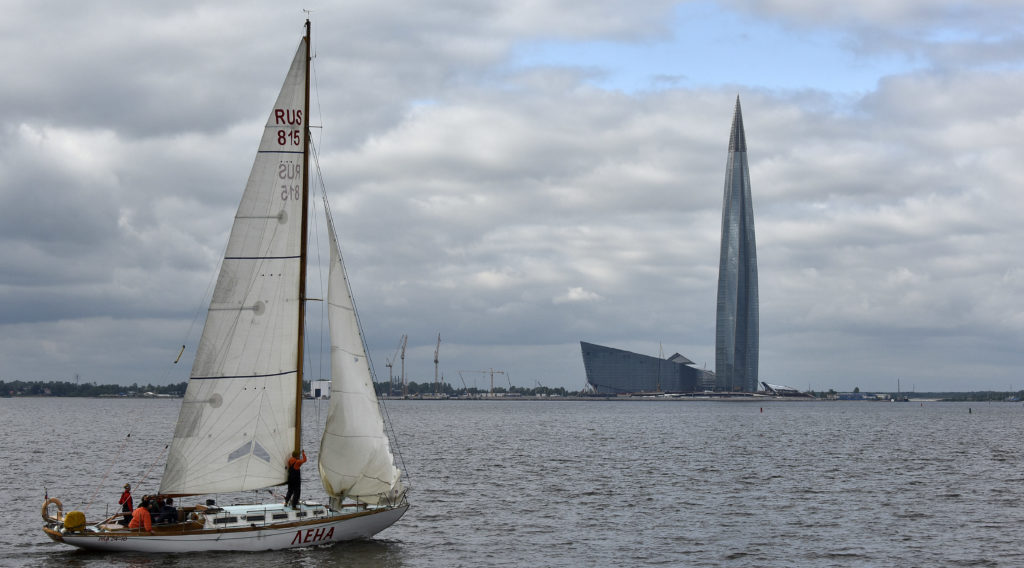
355	454
237	423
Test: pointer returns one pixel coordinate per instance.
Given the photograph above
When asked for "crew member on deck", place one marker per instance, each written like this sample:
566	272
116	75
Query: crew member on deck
294	478
168	513
141	519
127	504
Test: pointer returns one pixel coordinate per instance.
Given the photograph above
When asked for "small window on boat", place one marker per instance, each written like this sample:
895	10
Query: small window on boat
318	512
225	520
280	516
301	514
255	517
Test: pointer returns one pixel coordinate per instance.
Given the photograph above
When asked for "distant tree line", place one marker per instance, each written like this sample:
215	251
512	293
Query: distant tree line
68	388
92	389
970	396
977	396
414	389
429	389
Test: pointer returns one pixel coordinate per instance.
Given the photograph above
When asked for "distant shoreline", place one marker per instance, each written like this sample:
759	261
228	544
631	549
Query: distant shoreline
76	389
732	399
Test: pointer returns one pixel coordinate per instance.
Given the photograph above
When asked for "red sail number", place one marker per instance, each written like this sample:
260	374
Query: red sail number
285	137
292	118
287	116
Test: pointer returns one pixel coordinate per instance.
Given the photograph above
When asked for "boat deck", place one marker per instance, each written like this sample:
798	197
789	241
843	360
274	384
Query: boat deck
257	515
241	516
237	528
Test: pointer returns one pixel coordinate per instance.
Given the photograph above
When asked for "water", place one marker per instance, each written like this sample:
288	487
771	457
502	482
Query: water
560	483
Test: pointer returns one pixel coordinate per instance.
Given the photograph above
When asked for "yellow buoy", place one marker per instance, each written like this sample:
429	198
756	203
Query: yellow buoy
74	521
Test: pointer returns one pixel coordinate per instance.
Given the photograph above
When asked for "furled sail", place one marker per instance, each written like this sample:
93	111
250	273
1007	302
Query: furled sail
355	454
237	421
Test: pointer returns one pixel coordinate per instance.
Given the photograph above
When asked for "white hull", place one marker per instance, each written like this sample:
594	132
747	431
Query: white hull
335	528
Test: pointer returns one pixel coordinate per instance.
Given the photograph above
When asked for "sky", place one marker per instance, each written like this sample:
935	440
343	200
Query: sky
522	176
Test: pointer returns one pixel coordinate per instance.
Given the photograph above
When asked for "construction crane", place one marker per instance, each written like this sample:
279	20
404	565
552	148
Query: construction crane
492	372
465	388
436	351
391	365
405	386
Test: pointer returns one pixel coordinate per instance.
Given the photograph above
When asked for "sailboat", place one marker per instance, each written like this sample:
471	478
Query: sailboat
241	415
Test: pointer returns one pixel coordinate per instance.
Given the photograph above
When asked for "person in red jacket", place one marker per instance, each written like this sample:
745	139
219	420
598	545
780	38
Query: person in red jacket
141	519
294	478
126	503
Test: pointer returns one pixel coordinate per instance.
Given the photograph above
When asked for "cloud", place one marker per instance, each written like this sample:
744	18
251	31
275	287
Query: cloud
577	294
519	209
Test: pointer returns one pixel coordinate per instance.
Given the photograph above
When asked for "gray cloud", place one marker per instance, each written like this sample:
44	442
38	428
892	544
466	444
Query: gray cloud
515	210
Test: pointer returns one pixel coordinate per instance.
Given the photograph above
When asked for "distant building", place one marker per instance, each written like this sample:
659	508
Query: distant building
736	326
859	396
784	391
320	389
615	371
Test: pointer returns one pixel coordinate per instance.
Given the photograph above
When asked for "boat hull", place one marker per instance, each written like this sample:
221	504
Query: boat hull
288	535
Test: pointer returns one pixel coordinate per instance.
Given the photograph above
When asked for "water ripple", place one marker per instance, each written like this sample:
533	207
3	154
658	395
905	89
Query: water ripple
598	483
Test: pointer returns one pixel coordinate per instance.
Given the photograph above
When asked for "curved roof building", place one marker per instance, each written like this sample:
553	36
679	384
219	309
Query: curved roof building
616	371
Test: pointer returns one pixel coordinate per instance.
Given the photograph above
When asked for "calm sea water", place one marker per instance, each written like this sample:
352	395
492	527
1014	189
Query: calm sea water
565	483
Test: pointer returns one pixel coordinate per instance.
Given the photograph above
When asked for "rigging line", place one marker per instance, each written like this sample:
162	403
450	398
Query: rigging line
315	157
117	457
369	362
324	308
203	301
323	288
151	466
341	261
394	438
316	91
319	428
195	316
341	258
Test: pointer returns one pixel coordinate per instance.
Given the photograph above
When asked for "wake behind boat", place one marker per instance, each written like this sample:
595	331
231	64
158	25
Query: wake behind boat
241	416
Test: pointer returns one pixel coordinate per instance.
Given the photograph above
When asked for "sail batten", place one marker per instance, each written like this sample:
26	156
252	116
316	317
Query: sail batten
244	376
295	257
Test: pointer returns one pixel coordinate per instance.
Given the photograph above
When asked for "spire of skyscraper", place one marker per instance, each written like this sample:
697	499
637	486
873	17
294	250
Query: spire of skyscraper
737	326
737	139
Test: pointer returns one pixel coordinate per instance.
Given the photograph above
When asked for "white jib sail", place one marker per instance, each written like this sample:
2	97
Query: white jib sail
237	422
355	454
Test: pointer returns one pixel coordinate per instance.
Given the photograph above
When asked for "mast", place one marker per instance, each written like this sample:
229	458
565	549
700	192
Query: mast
302	250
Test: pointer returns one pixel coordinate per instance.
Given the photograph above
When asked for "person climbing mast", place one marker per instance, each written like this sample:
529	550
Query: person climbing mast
294	478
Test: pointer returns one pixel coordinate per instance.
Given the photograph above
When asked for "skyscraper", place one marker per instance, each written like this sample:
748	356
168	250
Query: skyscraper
736	328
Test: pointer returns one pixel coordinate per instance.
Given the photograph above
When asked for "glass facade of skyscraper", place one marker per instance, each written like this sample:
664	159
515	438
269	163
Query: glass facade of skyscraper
736	329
